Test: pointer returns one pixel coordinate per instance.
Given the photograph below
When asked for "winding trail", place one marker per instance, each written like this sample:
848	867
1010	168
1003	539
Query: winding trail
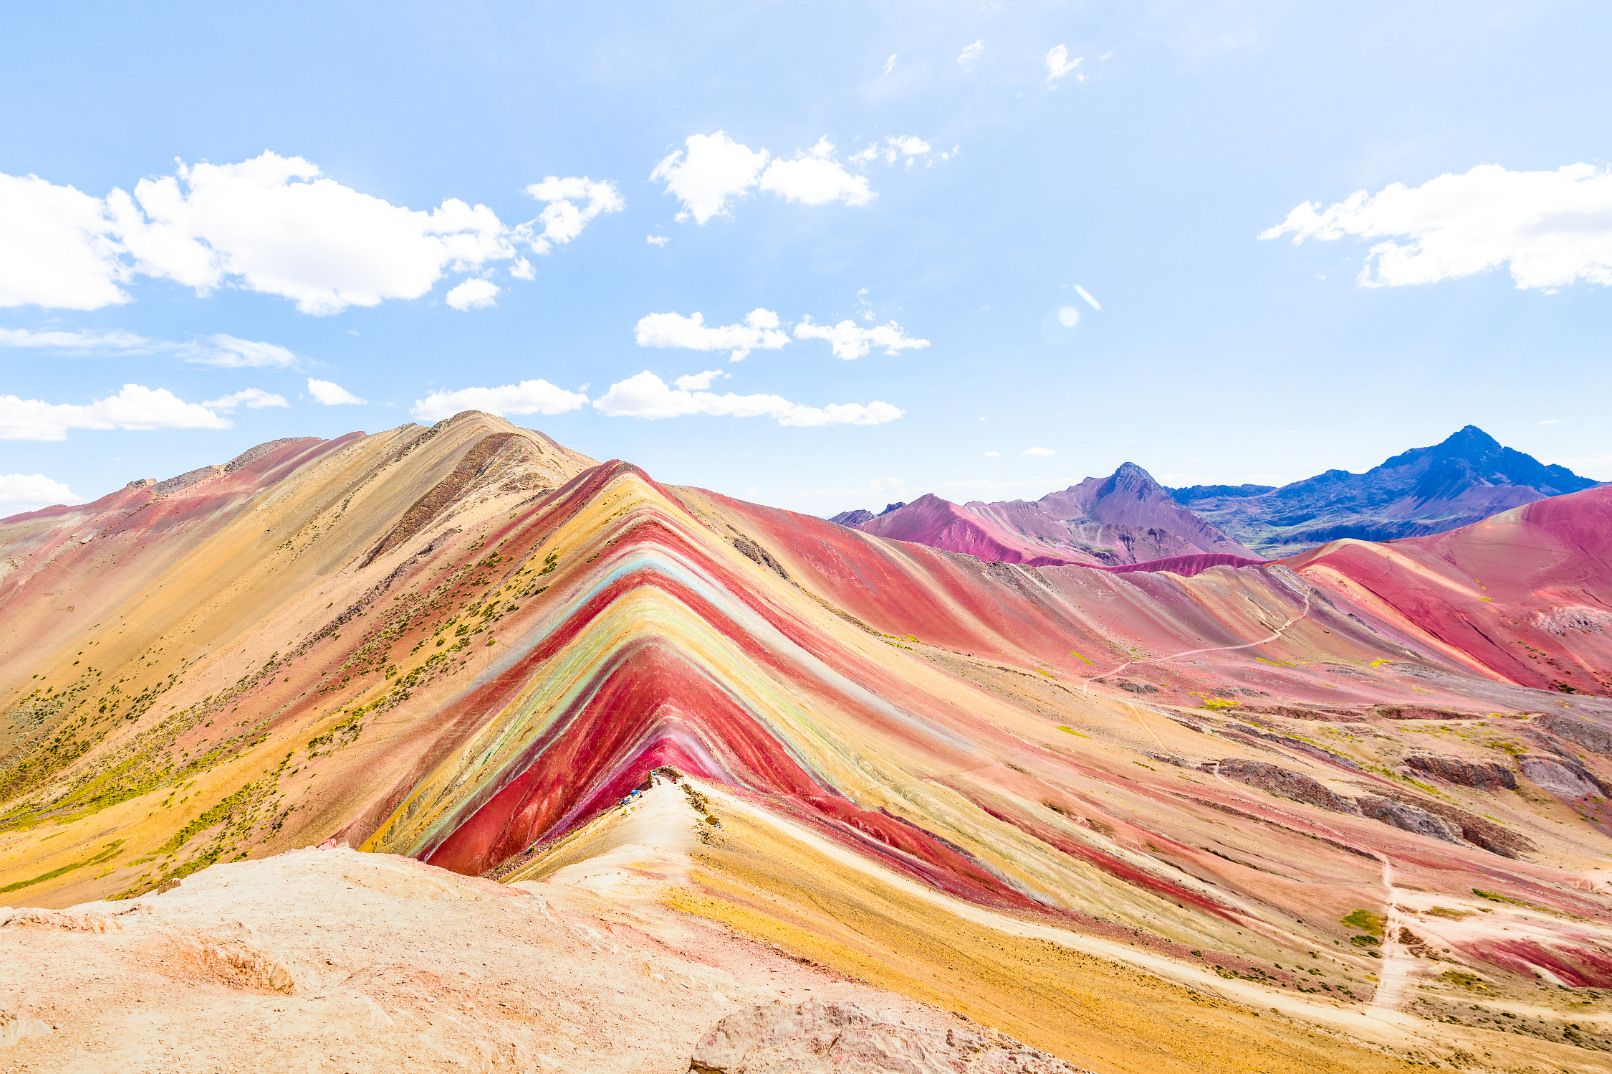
1394	974
1384	1026
1209	649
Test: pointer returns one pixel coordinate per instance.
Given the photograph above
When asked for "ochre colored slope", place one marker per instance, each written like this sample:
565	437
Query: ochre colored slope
466	644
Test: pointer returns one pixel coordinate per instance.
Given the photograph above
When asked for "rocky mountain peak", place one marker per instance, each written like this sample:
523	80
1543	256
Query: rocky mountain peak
1131	479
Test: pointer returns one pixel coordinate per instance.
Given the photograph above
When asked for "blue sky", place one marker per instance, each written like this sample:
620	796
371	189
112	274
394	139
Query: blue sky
890	206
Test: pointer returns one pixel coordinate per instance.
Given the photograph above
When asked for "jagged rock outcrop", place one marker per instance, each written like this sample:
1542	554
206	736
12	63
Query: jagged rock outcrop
1407	818
1592	736
1483	775
1285	783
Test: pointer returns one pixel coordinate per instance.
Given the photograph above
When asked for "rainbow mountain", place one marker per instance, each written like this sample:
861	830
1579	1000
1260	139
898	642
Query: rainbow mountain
1364	786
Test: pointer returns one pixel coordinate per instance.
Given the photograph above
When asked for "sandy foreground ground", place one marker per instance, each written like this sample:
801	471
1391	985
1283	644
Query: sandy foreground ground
332	960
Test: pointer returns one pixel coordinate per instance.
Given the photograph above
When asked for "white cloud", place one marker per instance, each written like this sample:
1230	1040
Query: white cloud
852	341
1553	228
1059	64
895	147
699	381
474	295
563	219
970	54
909	145
647	396
816	178
29	492
234	353
992	454
715	169
759	331
527	397
275	225
1039	453
135	407
331	394
657	240
75	342
55	247
251	398
1551	421
890	64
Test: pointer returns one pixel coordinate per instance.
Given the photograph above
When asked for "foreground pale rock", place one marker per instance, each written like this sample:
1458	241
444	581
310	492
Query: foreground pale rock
843	1038
336	961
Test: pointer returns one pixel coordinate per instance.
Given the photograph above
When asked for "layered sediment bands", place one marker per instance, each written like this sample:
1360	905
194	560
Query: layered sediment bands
1494	592
667	657
472	467
467	645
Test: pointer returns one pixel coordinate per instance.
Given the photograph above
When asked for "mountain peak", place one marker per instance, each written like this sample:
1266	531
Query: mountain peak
1132	479
1469	441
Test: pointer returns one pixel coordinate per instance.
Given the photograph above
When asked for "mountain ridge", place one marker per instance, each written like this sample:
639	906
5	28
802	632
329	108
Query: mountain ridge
1123	519
1466	477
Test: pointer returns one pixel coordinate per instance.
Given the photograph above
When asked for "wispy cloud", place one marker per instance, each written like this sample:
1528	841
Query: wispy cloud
76	342
904	147
970	53
527	397
699	381
223	350
332	394
647	396
232	352
1039	453
251	398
